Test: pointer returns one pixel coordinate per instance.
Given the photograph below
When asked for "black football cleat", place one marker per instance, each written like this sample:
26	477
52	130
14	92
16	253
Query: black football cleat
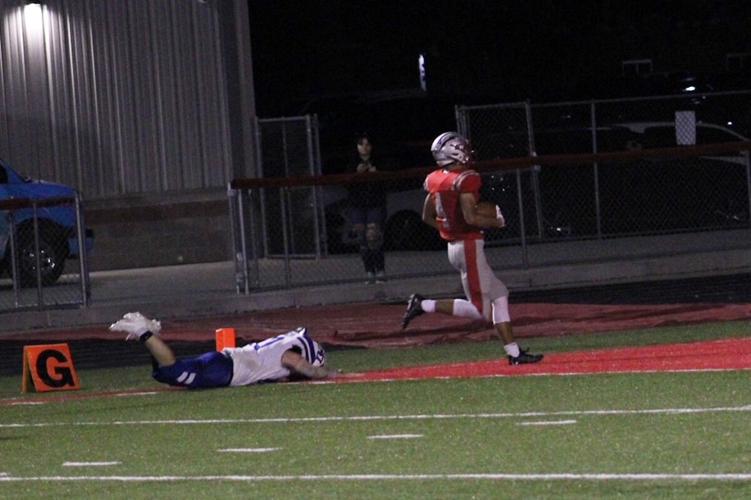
524	358
413	309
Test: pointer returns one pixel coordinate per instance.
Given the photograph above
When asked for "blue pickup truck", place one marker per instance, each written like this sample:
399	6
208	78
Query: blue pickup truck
57	228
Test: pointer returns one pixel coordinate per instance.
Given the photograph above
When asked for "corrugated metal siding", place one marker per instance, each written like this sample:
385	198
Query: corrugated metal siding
115	96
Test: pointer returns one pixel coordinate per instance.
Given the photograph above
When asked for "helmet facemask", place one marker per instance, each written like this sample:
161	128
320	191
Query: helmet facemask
319	354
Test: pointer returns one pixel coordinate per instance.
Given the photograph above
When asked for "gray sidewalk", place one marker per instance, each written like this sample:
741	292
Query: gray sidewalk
201	290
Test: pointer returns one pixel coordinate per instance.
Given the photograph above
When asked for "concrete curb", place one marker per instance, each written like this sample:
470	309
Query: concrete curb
226	303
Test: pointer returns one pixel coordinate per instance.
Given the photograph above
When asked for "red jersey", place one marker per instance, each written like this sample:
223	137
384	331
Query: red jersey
446	186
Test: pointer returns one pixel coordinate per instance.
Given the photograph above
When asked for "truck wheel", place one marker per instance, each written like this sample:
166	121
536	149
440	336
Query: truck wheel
52	255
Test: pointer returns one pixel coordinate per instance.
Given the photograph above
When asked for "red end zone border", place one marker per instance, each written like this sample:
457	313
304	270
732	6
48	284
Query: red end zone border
718	355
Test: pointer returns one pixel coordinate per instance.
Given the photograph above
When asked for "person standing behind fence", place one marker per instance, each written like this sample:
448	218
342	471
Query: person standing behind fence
367	204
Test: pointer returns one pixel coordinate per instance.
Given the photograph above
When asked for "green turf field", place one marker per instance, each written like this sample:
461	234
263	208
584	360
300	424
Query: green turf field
166	444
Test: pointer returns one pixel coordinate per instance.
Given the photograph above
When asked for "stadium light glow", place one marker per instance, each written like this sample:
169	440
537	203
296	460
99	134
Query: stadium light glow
690	88
422	73
32	16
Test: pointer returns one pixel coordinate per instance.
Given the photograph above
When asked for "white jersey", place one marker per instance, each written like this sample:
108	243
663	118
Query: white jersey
262	361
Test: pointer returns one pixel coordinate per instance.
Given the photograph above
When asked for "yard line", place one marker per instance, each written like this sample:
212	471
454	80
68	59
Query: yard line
247	450
536	374
548	422
27	403
401	477
89	464
396	436
127	394
368	418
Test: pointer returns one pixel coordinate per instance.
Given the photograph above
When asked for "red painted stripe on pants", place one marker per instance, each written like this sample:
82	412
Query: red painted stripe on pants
473	274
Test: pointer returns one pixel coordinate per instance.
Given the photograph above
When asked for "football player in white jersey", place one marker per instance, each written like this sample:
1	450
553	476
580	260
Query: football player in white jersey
292	354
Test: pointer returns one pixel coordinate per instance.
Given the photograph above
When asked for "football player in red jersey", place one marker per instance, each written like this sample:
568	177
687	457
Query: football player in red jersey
451	208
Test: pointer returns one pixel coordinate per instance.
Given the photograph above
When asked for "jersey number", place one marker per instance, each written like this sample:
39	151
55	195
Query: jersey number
441	212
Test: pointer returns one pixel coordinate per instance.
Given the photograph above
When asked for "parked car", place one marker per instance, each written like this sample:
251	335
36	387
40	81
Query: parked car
57	228
650	195
403	228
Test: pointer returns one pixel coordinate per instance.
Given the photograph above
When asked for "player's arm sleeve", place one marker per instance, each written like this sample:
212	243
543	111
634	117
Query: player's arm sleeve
468	204
429	212
294	362
468	181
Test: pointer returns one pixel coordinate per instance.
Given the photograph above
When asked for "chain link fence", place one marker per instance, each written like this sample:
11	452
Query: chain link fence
44	247
630	181
256	271
577	182
605	200
289	147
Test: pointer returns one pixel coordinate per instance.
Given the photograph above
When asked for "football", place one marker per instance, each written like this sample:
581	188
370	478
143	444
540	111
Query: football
486	208
490	210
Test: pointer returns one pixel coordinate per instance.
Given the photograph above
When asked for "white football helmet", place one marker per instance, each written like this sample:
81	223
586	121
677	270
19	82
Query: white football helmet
451	147
319	355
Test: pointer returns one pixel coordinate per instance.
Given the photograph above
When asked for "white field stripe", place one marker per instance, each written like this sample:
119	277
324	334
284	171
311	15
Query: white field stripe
396	436
28	403
402	477
126	394
536	374
366	418
547	422
247	450
89	464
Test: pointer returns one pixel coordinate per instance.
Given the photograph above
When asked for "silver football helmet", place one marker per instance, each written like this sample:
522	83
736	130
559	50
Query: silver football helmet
451	147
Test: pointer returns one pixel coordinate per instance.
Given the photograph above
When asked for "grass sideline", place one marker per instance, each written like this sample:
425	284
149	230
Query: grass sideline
713	442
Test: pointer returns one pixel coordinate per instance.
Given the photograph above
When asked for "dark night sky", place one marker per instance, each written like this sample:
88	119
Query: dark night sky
509	50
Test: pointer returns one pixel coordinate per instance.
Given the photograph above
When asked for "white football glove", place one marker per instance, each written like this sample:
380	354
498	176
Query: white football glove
499	216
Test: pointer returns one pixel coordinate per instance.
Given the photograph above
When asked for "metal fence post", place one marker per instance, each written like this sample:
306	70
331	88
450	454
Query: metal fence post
235	231
82	257
290	235
535	172
522	228
231	196
37	257
262	193
285	235
596	170
243	245
748	184
314	189
460	114
14	259
253	241
318	189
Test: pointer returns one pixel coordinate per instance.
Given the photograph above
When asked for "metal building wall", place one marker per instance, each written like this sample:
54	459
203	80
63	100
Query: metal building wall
115	96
